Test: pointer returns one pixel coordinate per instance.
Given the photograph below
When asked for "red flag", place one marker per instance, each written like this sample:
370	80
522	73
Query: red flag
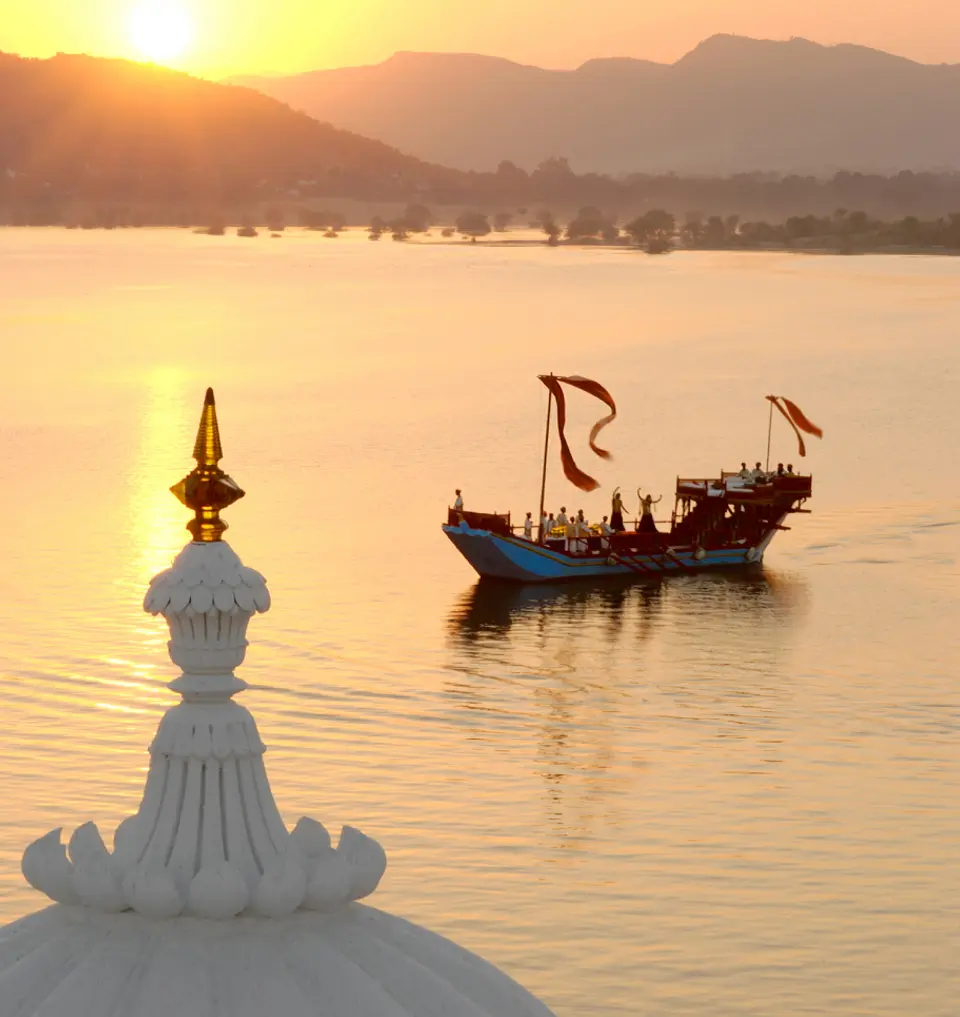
776	402
573	472
798	417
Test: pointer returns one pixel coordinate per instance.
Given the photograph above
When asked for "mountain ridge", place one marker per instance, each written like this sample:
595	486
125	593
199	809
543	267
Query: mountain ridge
732	104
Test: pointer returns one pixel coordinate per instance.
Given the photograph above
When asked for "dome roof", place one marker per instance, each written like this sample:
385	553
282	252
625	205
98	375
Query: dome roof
73	962
208	906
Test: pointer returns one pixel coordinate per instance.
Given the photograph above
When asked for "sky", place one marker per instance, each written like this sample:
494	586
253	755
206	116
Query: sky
214	38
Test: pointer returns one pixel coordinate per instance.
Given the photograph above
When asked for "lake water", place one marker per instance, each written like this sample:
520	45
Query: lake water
723	796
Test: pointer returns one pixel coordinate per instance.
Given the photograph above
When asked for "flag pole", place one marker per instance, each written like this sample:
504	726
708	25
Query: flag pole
543	478
769	433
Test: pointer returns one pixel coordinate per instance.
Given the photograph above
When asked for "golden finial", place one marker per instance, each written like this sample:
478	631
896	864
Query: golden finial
207	489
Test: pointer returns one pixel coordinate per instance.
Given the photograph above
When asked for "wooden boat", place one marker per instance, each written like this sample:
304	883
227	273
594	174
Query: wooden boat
716	523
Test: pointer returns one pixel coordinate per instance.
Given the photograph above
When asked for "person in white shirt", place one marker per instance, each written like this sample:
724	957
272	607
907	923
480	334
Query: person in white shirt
562	516
758	474
458	503
745	472
581	519
545	525
605	531
528	526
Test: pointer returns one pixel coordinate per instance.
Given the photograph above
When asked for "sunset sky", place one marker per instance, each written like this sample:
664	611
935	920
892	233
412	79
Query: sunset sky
218	37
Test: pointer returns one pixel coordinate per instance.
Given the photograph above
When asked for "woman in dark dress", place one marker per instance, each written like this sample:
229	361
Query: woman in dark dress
616	512
646	524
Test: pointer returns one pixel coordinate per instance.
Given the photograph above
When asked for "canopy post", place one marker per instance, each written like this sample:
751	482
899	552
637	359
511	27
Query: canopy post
769	434
543	476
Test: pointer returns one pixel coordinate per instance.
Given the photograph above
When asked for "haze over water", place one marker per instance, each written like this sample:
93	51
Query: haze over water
712	796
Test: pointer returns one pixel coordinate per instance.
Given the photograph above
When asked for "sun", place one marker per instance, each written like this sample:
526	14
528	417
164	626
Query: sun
160	30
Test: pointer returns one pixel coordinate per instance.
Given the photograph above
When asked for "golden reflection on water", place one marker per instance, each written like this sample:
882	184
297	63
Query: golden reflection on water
723	795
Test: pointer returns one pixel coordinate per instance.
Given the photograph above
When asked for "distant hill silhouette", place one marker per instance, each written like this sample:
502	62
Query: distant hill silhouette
731	105
112	129
88	141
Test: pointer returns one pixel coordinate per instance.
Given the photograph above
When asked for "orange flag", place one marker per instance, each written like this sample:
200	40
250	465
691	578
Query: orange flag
571	471
796	418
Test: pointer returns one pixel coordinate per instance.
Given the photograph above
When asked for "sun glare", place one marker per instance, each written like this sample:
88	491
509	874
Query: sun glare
160	30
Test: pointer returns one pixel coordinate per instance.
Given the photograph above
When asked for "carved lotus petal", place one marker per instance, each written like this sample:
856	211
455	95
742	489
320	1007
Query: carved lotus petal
46	868
261	598
191	578
330	883
223	598
218	891
201	599
97	885
152	892
367	859
310	838
282	888
125	840
244	598
86	845
157	598
251	577
179	598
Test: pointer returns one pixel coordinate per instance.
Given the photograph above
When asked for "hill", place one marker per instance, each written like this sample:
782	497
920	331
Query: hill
92	128
731	105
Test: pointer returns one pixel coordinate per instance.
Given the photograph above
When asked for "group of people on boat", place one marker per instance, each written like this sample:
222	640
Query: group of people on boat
575	529
758	475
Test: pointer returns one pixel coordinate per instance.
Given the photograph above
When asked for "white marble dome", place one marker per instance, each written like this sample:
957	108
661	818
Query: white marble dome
74	962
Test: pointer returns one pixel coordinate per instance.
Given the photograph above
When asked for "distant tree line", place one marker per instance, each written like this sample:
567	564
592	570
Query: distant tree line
659	231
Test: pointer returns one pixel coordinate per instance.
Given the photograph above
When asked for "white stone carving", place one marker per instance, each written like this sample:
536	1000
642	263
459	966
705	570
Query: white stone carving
208	839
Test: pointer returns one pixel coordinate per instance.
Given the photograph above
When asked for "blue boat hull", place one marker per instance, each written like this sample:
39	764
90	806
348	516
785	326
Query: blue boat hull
499	557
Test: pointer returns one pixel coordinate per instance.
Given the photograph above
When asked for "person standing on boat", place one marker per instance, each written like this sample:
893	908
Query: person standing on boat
528	526
562	516
458	503
745	472
605	531
551	524
758	476
646	523
616	513
572	530
545	523
790	472
581	519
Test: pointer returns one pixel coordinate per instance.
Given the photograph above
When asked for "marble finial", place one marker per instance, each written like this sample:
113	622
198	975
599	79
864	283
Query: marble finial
208	839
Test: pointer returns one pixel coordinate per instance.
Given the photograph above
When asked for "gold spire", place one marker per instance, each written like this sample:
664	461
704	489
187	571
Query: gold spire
207	489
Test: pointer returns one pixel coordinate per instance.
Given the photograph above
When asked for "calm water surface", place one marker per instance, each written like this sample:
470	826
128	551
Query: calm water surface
712	796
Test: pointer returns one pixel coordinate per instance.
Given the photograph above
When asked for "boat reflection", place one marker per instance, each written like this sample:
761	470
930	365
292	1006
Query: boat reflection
612	679
491	609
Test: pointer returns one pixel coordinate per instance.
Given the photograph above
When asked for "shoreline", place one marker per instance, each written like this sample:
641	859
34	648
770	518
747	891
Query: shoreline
502	241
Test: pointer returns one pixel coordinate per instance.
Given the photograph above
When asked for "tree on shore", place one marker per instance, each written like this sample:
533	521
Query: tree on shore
502	220
657	226
590	223
472	224
417	218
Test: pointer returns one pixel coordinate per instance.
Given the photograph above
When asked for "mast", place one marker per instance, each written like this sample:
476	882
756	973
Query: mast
543	477
769	434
